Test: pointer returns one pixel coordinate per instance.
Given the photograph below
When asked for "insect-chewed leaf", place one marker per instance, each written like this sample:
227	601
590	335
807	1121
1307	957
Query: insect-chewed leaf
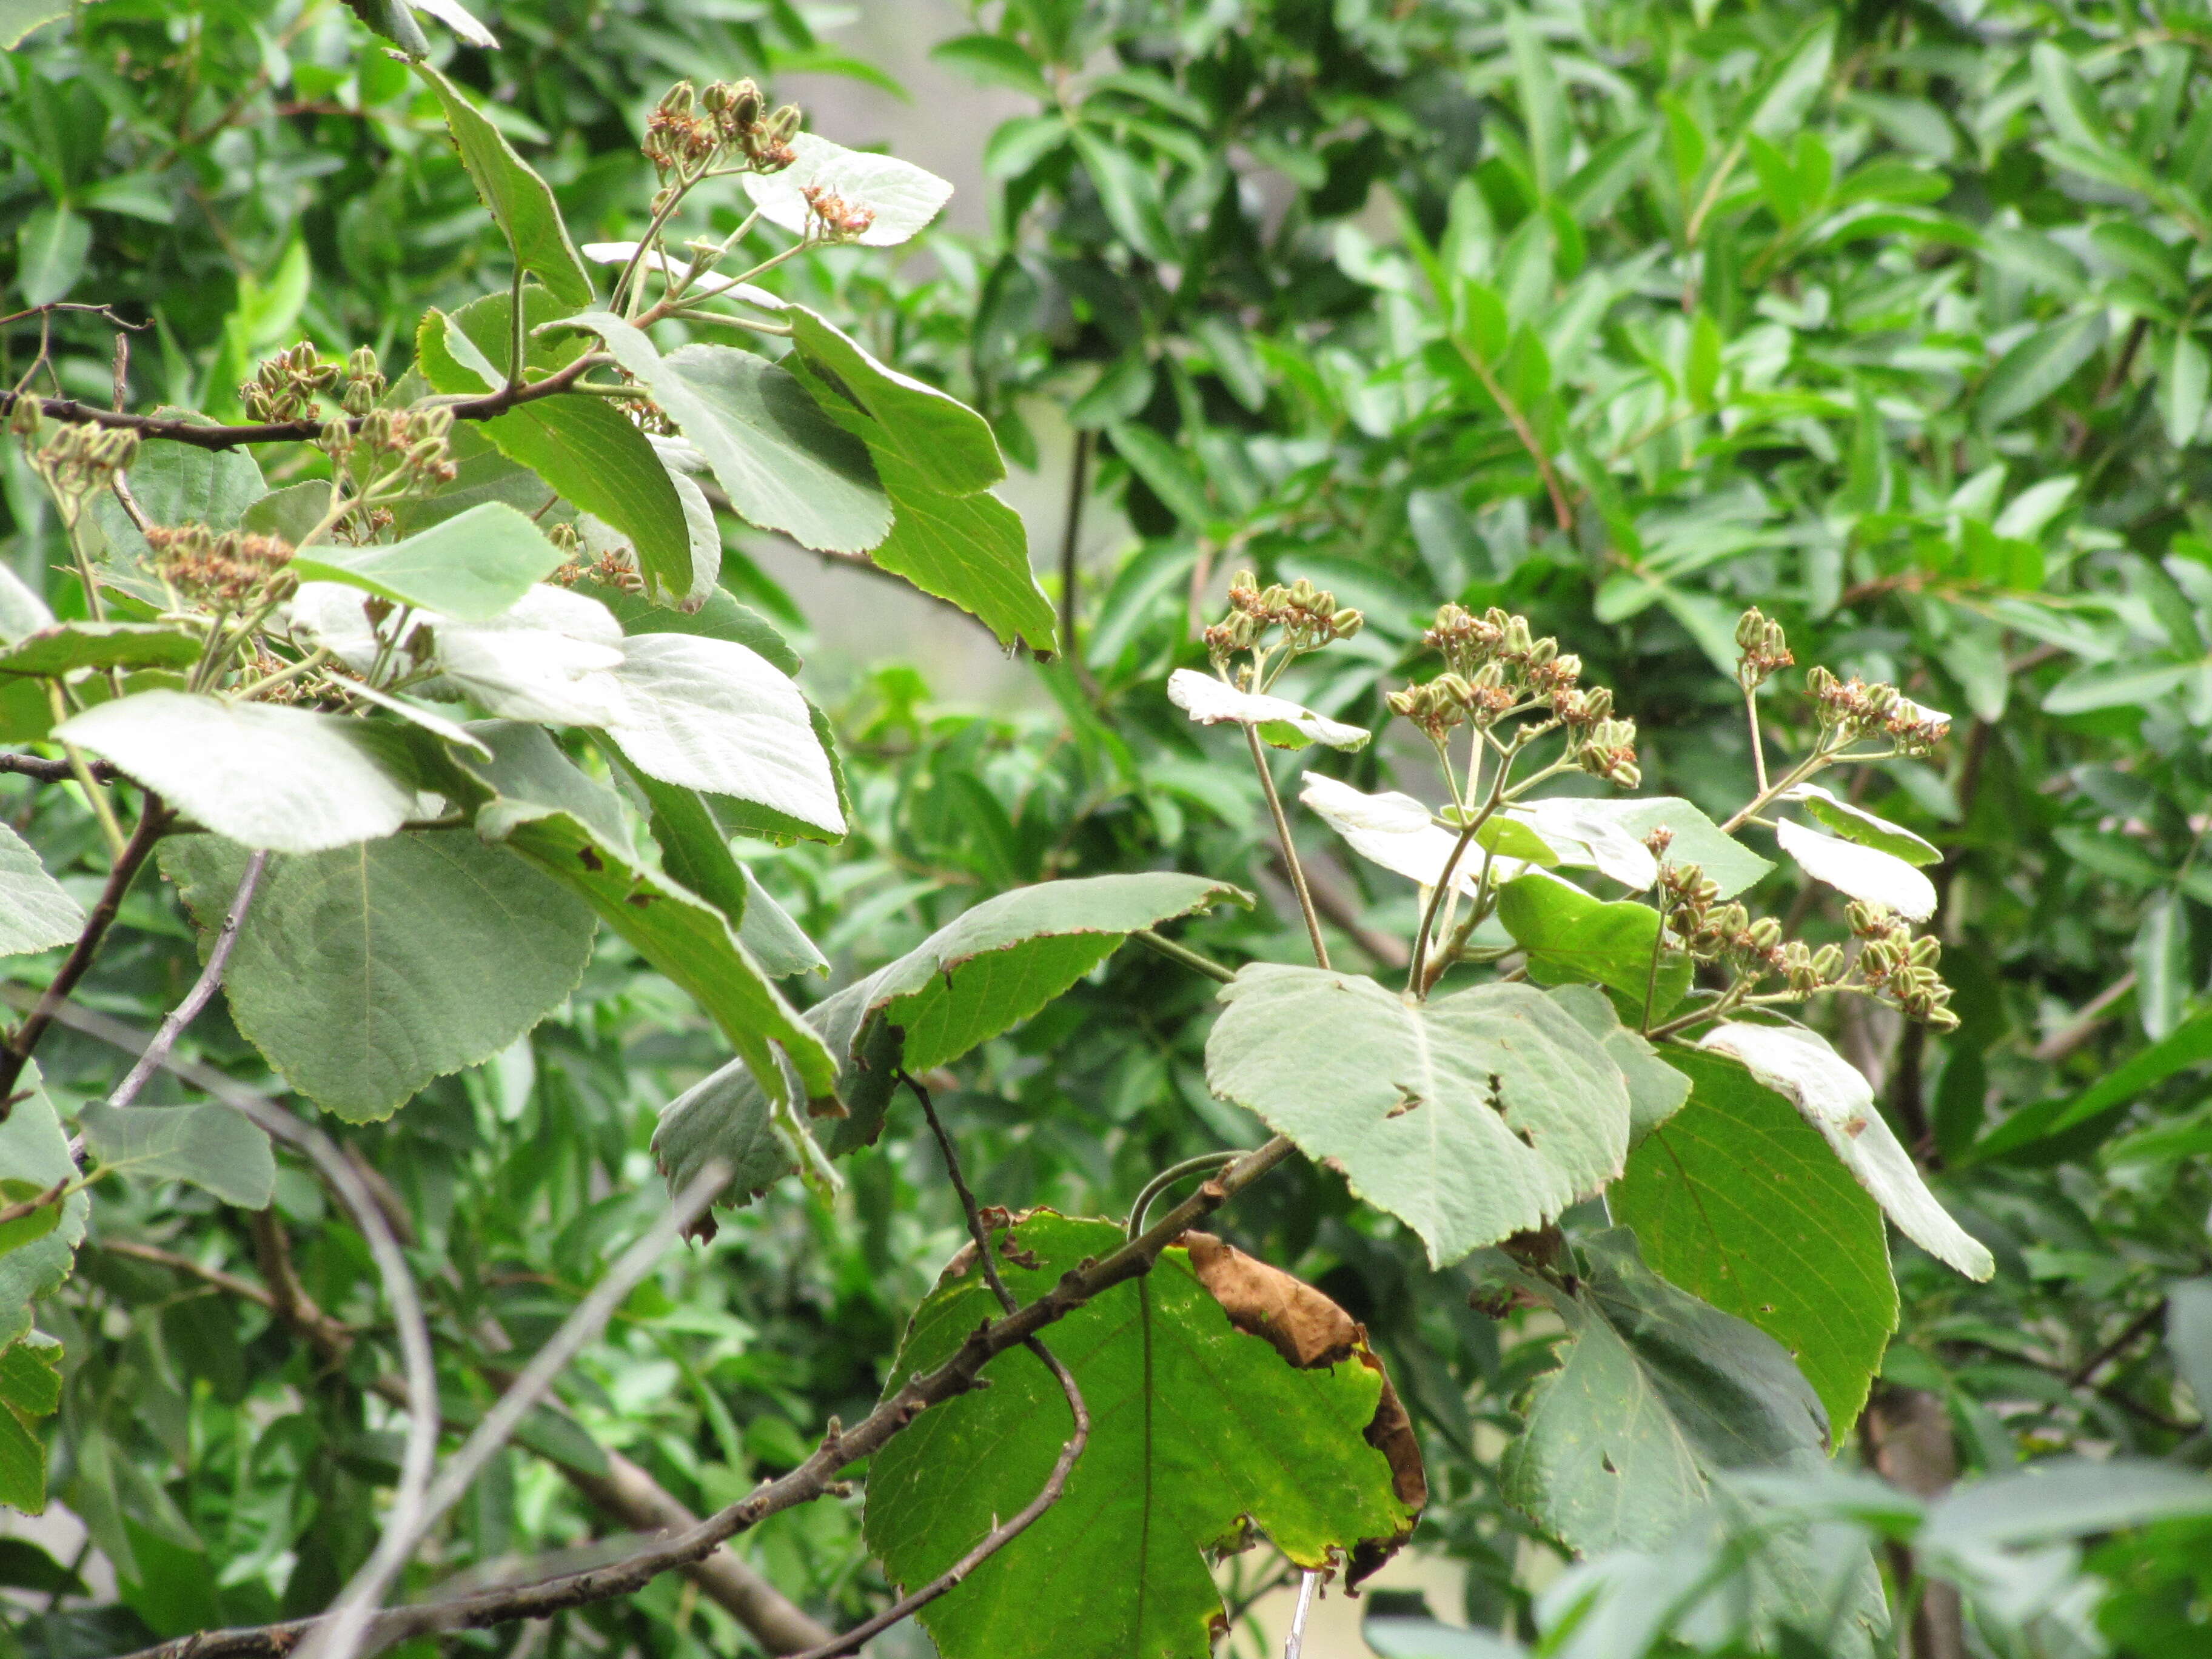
284	779
983	974
1836	1099
519	200
34	1150
1477	1116
1736	1198
1854	823
212	1146
471	566
364	972
1573	939
35	911
1198	1430
1656	1395
785	464
930	430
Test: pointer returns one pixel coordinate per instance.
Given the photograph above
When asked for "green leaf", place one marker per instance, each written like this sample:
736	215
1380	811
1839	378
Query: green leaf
2190	1045
1738	1201
582	446
19	17
50	247
538	803
1795	83
35	913
1573	939
210	1146
30	1228
994	61
1477	1116
2183	379
1727	863
2115	685
481	474
521	203
30	1387
784	464
1198	1430
1543	107
471	566
982	973
970	549
34	1150
2038	365
1510	838
2069	104
1656	1393
363	972
899	197
1853	822
263	775
720	618
1656	1087
711	715
934	433
1166	471
777	942
56	649
1128	191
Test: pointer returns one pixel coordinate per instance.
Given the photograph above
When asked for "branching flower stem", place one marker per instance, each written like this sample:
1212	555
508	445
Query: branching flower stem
1290	847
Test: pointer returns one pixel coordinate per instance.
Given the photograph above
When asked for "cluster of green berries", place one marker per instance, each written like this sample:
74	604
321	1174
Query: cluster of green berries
1710	931
411	448
1495	667
1764	650
75	461
1856	709
286	387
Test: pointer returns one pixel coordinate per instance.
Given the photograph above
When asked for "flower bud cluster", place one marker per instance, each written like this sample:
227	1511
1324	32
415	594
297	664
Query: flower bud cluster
75	461
364	382
1856	709
690	131
1709	930
286	385
1310	618
1808	970
1893	961
224	569
1494	666
411	446
1764	649
836	220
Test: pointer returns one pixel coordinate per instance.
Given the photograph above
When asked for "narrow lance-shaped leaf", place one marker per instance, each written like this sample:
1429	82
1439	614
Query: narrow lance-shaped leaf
1198	1429
520	202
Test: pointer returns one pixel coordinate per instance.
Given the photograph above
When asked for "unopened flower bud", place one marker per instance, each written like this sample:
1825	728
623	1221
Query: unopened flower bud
1346	622
25	417
1765	933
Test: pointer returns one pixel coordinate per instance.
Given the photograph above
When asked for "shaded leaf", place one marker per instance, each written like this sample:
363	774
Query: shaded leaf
1197	1430
35	913
212	1146
520	202
34	1150
59	648
1573	939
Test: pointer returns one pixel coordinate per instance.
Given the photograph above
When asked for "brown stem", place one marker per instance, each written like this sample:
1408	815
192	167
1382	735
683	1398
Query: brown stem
1524	432
154	821
809	1481
1070	542
490	406
10	1213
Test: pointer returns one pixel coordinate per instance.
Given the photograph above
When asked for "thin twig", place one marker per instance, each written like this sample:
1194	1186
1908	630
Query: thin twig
184	1013
154	821
2142	1323
803	1485
422	1447
349	1617
1167	1178
1183	954
10	1213
968	1208
2079	1029
1290	847
1294	1644
1071	537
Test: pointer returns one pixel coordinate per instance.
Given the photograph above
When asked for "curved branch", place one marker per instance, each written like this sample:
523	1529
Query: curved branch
184	1013
810	1480
54	771
176	429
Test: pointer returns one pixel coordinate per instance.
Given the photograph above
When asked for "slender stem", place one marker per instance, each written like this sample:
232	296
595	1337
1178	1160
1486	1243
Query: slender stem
969	1208
516	336
1522	430
1071	537
154	821
1294	1644
1757	743
1189	957
103	806
1729	1000
184	1013
1289	848
306	665
1417	979
1167	1178
1658	945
